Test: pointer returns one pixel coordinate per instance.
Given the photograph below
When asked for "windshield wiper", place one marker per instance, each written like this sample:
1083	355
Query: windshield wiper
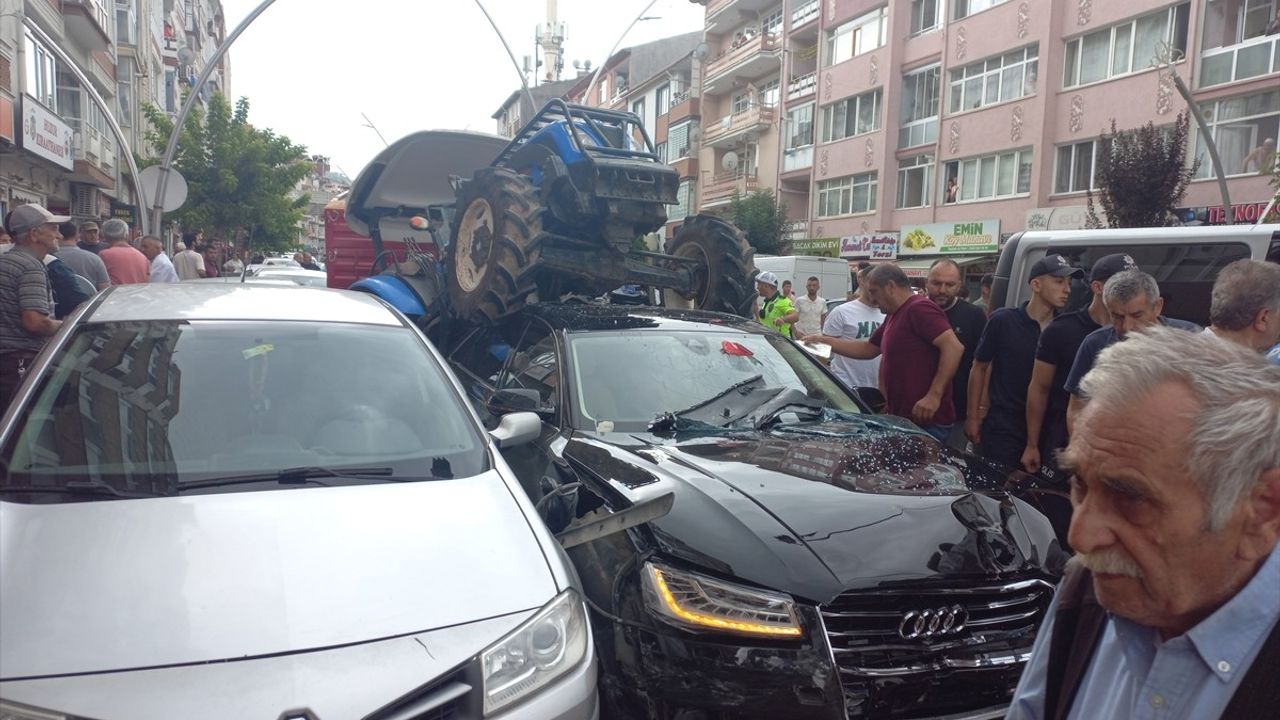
790	400
666	422
79	487
292	476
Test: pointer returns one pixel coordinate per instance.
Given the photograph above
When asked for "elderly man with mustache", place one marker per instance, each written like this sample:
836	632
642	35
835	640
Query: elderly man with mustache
1170	609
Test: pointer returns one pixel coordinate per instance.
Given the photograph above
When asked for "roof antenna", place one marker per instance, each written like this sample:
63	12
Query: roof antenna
524	83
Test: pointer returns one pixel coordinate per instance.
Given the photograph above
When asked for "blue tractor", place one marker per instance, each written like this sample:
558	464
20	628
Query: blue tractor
562	210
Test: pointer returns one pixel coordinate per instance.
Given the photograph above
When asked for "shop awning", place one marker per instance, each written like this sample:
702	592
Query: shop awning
918	267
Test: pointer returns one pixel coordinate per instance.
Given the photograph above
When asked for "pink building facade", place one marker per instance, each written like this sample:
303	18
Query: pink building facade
869	117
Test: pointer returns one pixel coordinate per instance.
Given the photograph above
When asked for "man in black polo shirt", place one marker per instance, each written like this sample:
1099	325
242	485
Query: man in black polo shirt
968	321
1046	395
1004	360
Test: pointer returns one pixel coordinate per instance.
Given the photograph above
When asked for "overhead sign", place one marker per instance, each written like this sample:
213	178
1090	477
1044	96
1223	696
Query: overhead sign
45	135
978	237
876	246
819	247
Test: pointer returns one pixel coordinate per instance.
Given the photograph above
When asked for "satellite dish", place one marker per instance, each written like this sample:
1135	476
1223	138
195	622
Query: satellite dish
701	52
729	161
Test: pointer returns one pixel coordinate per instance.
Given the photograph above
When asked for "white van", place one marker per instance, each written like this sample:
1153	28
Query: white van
1184	260
832	273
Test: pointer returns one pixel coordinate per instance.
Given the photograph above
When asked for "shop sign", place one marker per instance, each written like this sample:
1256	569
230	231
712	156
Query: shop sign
878	246
45	134
125	212
1247	213
1068	217
978	237
22	197
818	247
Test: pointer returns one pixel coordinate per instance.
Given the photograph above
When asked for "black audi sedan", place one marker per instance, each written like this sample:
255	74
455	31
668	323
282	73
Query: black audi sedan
818	560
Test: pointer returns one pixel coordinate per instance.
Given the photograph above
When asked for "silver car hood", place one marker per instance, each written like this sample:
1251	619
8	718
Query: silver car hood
97	586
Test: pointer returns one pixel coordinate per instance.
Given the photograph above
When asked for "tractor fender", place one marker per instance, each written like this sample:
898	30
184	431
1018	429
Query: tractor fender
395	292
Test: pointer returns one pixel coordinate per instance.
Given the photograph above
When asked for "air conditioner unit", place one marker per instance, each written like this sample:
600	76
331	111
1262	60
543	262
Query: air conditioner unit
93	146
84	201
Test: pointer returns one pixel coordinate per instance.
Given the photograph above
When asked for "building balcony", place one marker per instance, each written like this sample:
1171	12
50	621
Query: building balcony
797	230
1252	58
750	60
94	153
719	189
732	129
802	88
806	14
800	158
724	15
683	105
88	23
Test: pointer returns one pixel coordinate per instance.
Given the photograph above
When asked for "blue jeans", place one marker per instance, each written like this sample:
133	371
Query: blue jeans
939	432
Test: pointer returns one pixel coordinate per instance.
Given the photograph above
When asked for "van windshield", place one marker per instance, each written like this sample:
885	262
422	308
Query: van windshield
144	408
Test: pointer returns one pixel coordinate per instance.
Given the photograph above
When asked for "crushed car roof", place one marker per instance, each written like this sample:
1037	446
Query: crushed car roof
235	301
586	317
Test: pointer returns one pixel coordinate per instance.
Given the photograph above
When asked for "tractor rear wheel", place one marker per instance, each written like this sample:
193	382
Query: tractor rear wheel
492	266
726	265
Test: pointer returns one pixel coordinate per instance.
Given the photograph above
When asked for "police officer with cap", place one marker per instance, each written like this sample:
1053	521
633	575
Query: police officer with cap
776	311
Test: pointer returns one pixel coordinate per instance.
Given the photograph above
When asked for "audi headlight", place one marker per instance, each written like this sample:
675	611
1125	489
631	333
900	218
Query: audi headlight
697	602
543	648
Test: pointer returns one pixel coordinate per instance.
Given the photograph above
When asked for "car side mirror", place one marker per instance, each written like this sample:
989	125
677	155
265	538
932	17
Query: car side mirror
871	397
514	400
515	429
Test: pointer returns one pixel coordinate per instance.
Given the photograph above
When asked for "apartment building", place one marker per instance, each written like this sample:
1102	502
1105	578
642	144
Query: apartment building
56	145
322	185
953	123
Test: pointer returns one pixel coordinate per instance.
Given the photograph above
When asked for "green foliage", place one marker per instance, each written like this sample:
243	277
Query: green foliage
240	178
762	218
1142	175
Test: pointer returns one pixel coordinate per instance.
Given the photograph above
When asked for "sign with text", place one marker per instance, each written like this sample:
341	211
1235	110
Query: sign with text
818	247
45	134
978	237
876	246
1067	217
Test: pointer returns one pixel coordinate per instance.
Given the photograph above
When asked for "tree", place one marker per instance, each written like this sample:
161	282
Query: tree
1142	175
240	179
762	218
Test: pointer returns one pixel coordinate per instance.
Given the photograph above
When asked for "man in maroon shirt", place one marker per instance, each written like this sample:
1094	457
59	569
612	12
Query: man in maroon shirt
921	352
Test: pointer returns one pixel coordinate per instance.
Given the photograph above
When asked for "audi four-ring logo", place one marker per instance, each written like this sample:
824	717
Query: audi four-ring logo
933	623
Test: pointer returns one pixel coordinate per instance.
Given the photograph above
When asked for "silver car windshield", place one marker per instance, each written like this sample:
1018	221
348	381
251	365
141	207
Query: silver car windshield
145	408
623	380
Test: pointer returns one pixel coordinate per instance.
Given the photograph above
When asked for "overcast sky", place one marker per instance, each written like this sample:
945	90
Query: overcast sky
311	67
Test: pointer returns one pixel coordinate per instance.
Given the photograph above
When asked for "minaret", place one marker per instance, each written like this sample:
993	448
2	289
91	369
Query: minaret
551	41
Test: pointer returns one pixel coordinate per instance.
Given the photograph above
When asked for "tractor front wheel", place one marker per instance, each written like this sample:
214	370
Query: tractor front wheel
493	263
724	269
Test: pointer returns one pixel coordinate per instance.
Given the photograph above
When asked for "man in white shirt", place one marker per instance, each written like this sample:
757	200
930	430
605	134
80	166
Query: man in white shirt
855	320
162	270
812	308
188	262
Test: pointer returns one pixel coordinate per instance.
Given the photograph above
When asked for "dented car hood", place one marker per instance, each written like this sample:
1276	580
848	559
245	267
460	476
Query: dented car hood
100	586
818	509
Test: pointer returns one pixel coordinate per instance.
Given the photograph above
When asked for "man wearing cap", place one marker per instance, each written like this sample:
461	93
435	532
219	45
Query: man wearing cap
776	312
1047	397
125	264
1003	362
89	238
26	298
1133	300
82	262
187	261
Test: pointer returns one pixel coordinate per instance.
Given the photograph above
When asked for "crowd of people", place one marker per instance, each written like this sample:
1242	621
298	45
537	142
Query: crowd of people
50	265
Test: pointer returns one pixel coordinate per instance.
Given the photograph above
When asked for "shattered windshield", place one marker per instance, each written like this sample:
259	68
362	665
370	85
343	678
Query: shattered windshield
622	381
140	409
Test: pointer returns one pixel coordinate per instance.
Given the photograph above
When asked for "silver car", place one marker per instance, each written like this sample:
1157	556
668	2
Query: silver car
239	501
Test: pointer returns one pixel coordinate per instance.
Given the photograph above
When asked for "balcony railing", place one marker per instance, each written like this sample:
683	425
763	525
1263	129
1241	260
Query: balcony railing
87	141
797	159
752	117
727	59
721	187
802	86
805	14
1251	58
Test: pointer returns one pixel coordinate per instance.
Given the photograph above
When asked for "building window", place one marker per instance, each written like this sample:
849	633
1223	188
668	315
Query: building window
42	73
170	90
1006	174
1077	167
919	107
662	100
741	102
924	16
800	127
847	195
1124	48
684	202
1235	43
637	108
852	116
678	142
859	35
915	181
661	151
1241	127
772	23
965	8
124	90
770	93
126	22
998	79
